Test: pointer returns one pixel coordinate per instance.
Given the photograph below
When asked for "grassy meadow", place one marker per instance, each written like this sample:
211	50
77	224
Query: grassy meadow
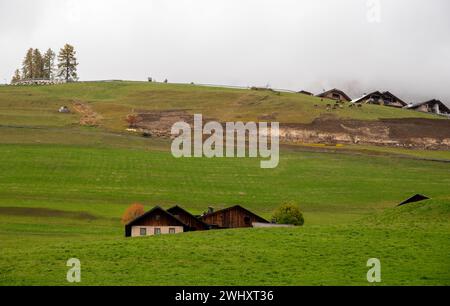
63	189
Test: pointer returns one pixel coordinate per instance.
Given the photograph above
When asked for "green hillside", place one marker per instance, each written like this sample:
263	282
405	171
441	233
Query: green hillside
37	106
64	187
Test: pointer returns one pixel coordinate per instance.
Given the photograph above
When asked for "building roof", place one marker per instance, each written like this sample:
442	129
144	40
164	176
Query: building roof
434	101
323	95
154	209
388	93
413	199
305	92
366	96
188	213
233	207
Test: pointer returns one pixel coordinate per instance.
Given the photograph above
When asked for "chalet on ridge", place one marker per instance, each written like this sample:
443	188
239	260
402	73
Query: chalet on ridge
432	106
177	220
335	94
381	98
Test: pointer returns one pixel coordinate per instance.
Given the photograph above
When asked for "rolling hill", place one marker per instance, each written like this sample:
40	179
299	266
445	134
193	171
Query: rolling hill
64	186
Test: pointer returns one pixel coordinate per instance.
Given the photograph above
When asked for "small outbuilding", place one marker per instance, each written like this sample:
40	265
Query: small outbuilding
335	94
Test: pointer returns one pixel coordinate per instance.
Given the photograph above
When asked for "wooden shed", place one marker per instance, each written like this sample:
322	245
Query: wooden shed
335	94
155	222
194	223
232	217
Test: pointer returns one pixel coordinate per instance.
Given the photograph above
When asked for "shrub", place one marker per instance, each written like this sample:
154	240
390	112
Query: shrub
288	214
132	212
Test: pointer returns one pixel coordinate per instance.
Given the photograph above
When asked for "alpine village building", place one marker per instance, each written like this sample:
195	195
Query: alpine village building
381	98
177	220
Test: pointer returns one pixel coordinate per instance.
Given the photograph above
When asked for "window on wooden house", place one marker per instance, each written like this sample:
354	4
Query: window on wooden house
157	231
171	230
143	231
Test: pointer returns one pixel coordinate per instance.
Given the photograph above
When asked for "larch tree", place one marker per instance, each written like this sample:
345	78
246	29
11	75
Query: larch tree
38	64
67	63
27	65
49	65
16	77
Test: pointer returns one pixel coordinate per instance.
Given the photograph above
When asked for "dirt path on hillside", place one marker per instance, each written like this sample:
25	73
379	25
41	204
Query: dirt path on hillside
88	116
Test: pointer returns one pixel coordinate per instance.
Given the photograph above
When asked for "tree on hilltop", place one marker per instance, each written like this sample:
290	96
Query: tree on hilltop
67	66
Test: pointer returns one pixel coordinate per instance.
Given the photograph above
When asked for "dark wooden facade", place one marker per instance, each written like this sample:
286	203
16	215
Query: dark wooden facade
233	217
155	217
194	223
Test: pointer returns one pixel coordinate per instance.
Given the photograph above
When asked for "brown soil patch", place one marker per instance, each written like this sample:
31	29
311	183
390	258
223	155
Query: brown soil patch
44	212
88	116
410	132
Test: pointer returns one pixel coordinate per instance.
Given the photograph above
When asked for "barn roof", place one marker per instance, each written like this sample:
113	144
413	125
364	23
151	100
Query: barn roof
153	210
413	199
233	207
186	212
323	95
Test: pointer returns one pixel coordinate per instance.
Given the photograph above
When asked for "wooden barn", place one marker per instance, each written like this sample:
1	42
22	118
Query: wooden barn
381	98
335	94
192	222
232	217
155	222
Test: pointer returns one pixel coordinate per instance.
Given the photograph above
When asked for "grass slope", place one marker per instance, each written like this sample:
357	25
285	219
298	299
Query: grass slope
38	105
63	188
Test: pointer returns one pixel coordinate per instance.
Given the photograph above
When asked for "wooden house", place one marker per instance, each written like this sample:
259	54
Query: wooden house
192	222
232	217
335	94
155	222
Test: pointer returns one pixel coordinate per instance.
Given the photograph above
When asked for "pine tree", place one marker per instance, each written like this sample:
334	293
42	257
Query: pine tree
27	65
17	77
49	64
67	66
38	64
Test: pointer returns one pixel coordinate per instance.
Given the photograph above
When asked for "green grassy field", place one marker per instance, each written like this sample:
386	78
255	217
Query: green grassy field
64	187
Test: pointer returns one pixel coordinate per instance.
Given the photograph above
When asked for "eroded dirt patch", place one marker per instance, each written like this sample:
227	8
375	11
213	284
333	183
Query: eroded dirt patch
410	132
88	116
45	212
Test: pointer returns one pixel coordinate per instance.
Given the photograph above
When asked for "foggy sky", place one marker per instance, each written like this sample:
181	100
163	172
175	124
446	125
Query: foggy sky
291	44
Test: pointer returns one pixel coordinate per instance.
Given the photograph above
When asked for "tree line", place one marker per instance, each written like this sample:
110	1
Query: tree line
42	66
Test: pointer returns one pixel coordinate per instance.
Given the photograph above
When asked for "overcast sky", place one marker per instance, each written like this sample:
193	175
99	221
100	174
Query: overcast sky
402	45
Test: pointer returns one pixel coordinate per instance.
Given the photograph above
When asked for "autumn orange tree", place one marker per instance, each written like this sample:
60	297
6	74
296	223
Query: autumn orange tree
132	212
